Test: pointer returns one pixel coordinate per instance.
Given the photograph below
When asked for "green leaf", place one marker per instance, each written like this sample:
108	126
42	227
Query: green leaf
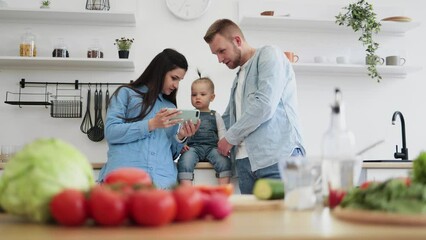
361	16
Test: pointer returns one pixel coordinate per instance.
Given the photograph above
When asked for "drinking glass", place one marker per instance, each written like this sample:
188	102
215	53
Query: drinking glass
301	176
6	153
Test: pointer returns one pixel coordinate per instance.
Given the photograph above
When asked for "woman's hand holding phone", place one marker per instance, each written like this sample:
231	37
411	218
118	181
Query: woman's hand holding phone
188	128
163	119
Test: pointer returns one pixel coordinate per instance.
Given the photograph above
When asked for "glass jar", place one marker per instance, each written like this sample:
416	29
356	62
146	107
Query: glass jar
60	50
95	49
27	48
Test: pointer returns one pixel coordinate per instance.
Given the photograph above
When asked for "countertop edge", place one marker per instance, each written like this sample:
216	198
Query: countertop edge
99	165
207	165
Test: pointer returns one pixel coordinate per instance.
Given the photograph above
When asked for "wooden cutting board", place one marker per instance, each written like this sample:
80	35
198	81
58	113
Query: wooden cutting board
250	202
378	217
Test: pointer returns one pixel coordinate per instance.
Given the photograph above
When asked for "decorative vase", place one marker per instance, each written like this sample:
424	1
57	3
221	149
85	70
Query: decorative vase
123	54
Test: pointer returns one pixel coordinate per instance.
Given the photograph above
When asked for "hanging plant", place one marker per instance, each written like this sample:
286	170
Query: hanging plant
361	17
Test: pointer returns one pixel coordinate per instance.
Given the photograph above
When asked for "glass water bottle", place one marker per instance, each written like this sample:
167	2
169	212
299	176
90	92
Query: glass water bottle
338	153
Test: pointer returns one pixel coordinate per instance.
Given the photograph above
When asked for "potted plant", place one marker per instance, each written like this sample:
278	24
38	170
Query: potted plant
45	4
123	45
361	17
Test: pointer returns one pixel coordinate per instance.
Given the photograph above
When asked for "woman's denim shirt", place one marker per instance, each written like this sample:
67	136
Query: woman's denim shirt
269	123
131	144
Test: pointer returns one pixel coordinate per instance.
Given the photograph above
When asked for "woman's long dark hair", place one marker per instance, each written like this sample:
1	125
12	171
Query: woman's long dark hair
153	79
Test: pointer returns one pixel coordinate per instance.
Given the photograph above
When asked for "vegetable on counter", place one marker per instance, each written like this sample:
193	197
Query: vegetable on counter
268	189
419	168
129	176
39	171
226	189
397	195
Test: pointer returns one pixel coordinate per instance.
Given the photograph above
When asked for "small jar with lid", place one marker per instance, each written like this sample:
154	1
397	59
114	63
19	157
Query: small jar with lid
27	48
60	50
95	49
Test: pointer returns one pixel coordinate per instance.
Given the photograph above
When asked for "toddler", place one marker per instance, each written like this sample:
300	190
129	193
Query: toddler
203	145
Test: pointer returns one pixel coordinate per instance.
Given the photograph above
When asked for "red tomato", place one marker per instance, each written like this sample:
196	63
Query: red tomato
335	197
406	180
218	206
69	207
107	207
227	189
130	176
189	203
152	207
205	198
365	185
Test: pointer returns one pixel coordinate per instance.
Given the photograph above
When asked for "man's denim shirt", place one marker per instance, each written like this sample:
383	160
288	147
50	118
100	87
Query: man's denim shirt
269	123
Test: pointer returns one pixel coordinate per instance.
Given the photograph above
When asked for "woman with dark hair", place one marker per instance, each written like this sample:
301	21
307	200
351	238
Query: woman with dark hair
139	129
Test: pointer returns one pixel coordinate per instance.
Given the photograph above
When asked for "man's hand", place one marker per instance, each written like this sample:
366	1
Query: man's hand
224	147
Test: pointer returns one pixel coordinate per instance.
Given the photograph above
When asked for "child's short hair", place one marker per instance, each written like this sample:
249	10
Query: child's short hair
205	80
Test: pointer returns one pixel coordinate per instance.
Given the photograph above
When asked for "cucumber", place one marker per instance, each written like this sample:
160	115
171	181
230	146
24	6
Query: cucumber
268	189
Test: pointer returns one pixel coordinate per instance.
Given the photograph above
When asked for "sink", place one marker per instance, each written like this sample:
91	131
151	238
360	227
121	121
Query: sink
389	160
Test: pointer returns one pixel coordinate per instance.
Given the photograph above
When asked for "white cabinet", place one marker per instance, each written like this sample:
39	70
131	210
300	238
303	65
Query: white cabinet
54	17
381	171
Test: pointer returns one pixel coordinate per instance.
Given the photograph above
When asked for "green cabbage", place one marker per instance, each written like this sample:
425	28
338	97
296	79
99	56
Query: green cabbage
40	170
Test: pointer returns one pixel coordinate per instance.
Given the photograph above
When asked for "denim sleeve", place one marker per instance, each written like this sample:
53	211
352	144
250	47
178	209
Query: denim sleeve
264	87
226	117
117	131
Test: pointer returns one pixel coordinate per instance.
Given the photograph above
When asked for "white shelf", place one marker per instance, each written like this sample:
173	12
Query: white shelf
50	63
50	16
276	23
352	70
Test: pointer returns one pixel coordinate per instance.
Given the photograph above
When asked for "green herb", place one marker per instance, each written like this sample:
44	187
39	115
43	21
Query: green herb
419	168
124	43
45	3
394	195
360	16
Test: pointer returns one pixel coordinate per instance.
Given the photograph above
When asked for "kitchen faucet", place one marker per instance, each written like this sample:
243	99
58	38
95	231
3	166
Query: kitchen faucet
404	151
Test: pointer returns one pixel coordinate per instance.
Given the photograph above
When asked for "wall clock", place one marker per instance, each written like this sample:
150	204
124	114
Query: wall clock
188	9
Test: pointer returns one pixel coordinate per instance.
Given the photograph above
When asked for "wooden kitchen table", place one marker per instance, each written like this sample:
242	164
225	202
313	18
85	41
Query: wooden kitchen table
244	225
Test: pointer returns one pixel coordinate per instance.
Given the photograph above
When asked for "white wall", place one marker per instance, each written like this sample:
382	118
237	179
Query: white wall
370	105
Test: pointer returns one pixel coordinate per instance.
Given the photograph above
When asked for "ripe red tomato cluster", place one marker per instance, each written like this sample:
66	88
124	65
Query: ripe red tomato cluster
129	196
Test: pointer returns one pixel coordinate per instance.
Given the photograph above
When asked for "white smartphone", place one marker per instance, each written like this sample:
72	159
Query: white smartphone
187	115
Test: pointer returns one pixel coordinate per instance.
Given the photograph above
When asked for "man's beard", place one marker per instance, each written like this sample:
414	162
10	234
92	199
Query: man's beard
237	61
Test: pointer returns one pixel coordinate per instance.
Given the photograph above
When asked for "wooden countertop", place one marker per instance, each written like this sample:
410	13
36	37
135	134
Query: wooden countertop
247	225
388	165
206	165
98	166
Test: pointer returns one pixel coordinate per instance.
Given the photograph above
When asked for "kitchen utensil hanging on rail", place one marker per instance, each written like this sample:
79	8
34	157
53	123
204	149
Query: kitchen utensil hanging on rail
96	133
87	123
67	103
107	99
